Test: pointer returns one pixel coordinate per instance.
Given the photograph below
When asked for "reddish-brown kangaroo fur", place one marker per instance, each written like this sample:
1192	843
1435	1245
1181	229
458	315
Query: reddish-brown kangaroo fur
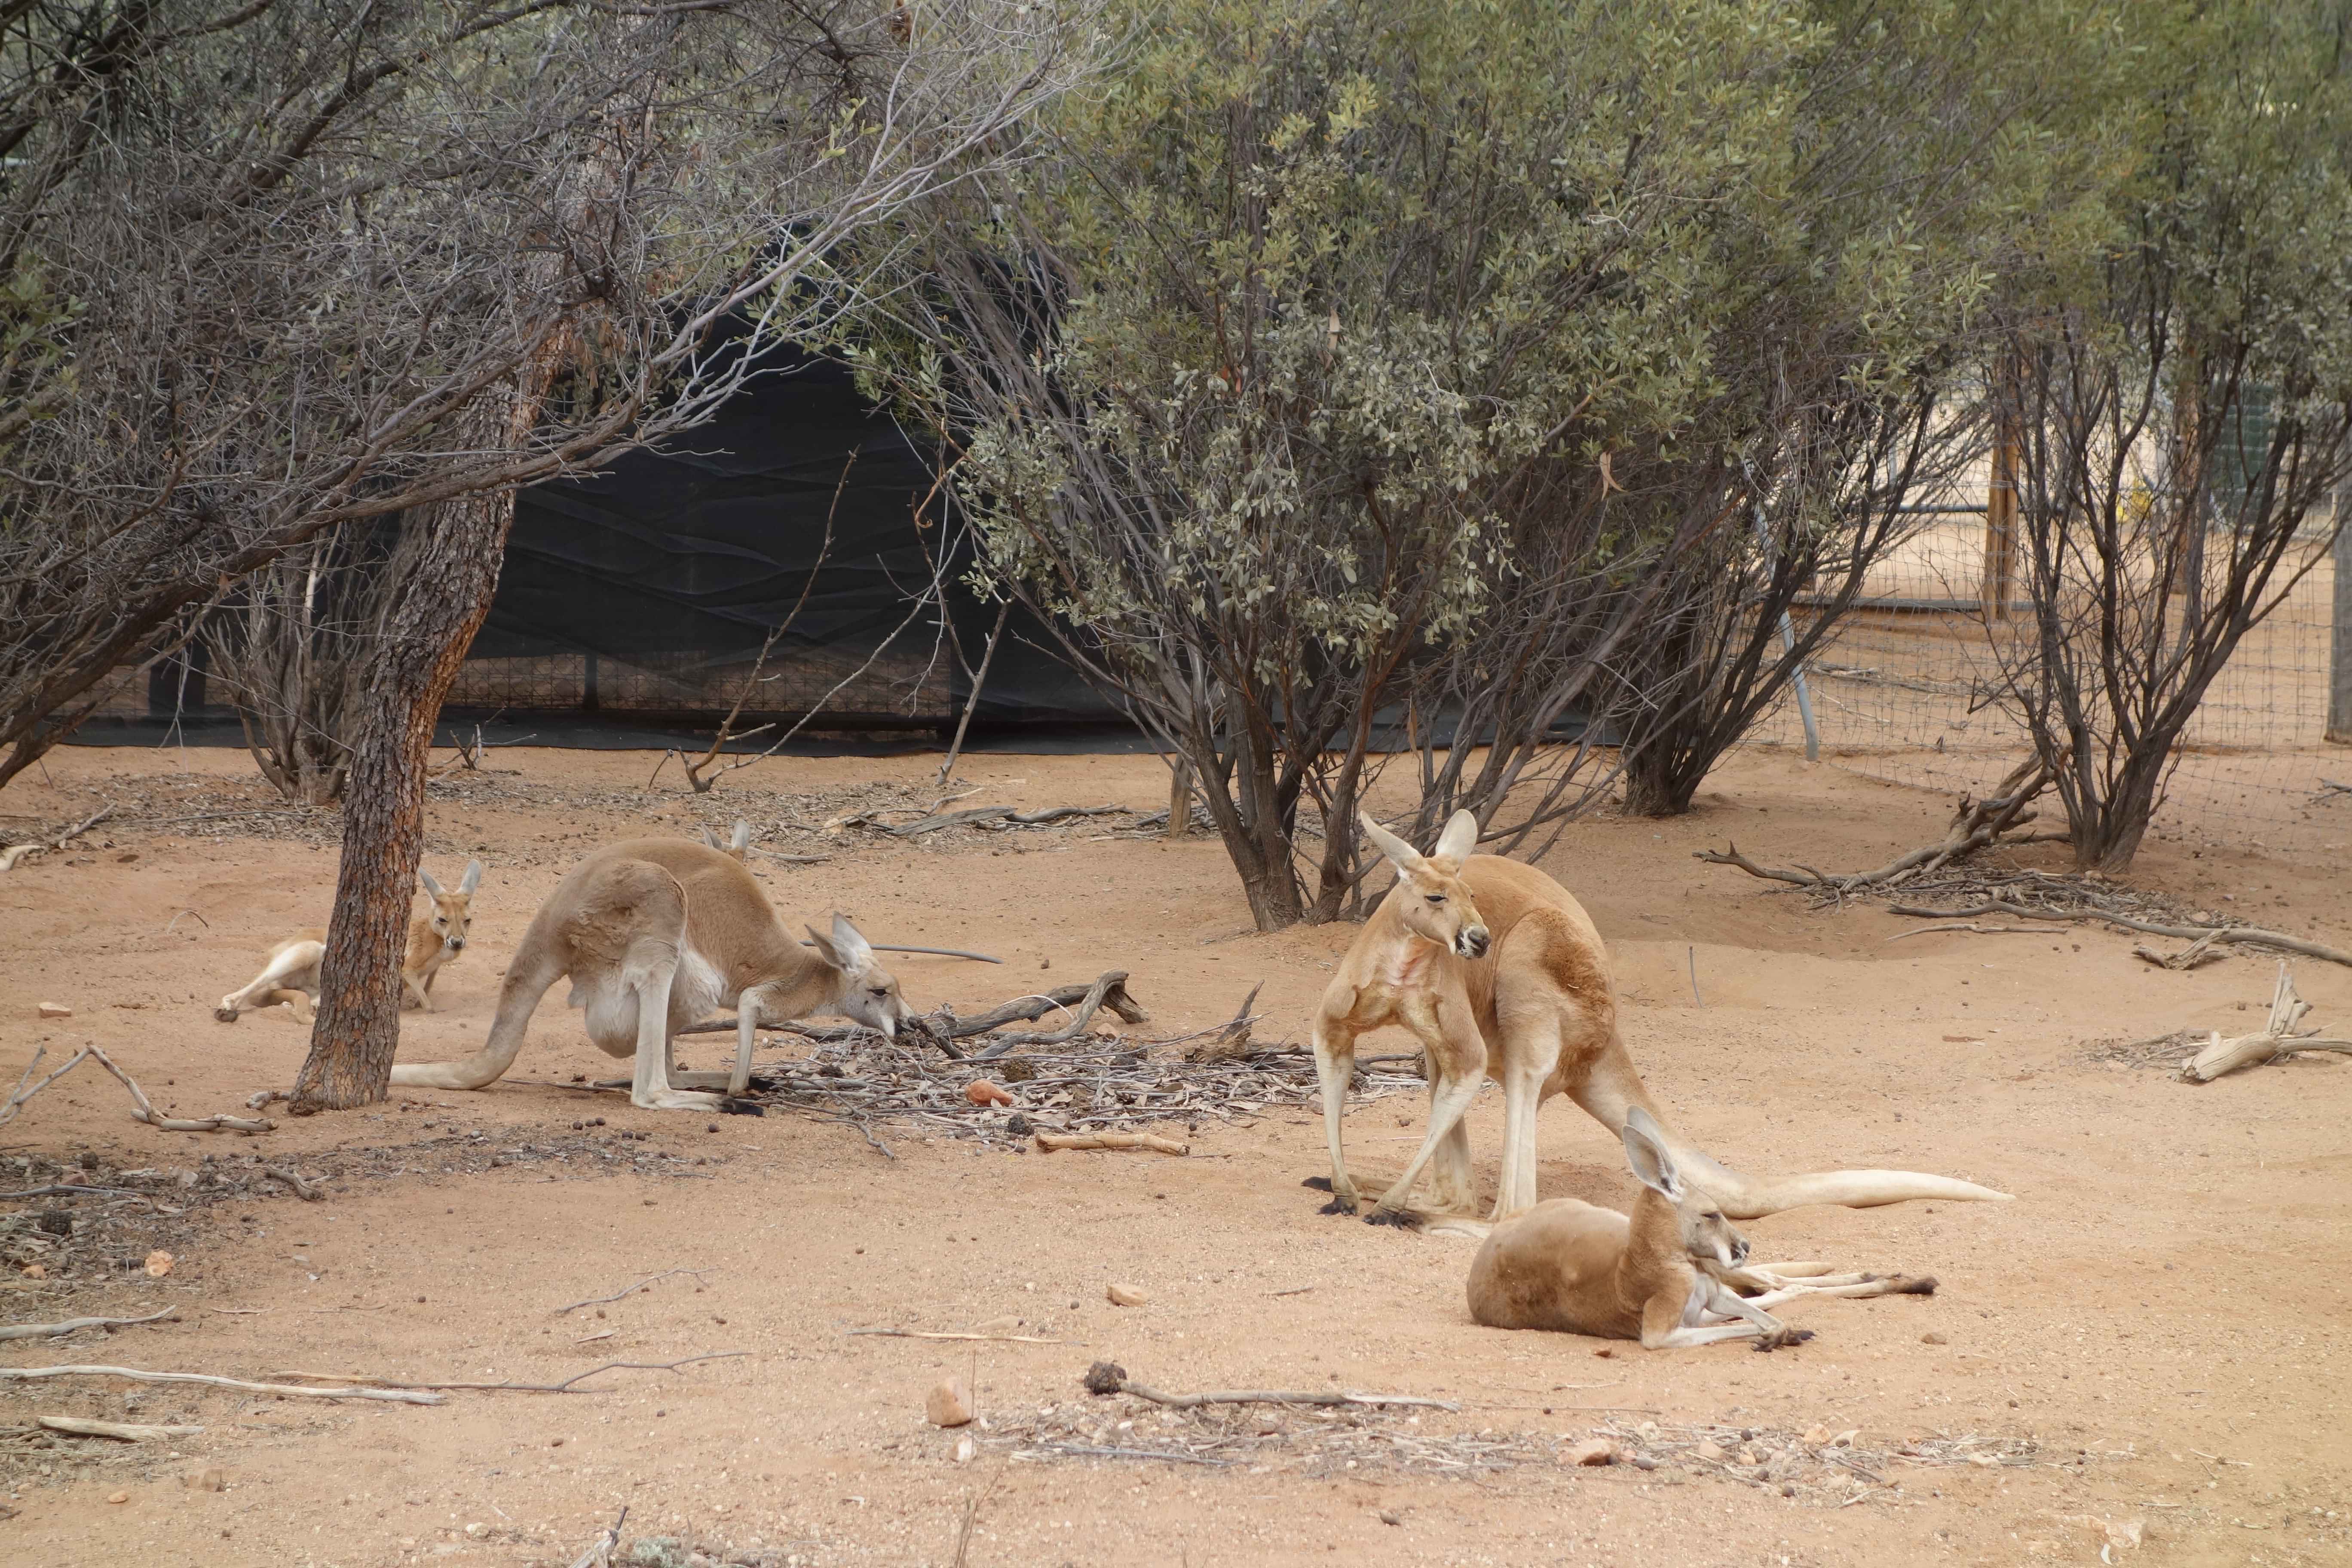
1500	974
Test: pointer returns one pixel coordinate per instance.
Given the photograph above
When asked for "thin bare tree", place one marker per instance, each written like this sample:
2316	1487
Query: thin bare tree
276	269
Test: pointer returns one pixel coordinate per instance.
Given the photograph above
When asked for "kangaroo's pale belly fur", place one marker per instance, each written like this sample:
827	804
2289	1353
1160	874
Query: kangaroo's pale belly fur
695	992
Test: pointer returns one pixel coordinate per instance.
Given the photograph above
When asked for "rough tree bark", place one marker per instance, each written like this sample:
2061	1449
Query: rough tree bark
443	603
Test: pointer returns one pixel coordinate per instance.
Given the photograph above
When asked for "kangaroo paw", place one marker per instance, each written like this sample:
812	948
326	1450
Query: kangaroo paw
1402	1219
734	1107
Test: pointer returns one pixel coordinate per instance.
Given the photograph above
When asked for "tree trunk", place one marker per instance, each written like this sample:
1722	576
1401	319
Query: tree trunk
443	602
2339	667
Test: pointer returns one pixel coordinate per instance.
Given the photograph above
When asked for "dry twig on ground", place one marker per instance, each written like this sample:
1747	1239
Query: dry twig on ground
569	1386
53	1330
141	1110
1047	1143
630	1289
283	1390
1110	1377
12	854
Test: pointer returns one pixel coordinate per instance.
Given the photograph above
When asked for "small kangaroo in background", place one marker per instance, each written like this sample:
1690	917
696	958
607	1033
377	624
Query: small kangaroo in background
291	975
1665	1275
739	844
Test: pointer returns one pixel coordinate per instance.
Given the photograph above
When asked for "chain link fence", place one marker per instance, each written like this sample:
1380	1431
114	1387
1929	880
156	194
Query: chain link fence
1909	690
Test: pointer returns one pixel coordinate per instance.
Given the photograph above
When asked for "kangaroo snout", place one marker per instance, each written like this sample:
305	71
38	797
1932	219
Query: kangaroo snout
1472	942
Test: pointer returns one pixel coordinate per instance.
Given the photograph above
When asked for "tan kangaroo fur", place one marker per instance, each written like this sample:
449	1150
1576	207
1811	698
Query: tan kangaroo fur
656	933
291	974
1662	1276
1499	974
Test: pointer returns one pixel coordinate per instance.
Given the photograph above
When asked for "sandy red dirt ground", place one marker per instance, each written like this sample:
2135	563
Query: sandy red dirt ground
2159	1320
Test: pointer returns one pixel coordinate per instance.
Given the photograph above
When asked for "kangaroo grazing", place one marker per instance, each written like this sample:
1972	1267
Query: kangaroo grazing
291	974
655	934
1663	1276
1500	974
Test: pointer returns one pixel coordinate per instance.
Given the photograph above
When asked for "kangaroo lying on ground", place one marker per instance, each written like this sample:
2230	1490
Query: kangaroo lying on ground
1665	1275
291	974
1500	974
656	933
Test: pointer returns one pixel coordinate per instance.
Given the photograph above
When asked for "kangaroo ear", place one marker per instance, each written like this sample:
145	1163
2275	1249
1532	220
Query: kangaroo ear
1453	845
742	839
473	878
425	878
1404	856
1645	1152
713	839
853	947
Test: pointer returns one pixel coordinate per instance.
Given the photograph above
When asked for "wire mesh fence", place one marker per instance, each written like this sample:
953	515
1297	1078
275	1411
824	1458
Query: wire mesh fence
1909	690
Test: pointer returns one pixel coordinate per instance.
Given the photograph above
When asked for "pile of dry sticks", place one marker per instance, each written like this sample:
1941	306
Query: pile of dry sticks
1060	1080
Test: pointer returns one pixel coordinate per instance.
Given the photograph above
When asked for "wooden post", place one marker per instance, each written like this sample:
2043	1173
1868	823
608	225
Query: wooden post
2000	516
2339	664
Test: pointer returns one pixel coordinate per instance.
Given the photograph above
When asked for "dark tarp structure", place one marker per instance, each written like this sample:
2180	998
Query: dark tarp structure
633	605
688	557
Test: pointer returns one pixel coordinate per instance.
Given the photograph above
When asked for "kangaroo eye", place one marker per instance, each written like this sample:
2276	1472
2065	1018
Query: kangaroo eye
1434	898
881	991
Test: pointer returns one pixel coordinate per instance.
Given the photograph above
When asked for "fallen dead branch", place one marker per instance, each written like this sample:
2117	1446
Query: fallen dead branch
2251	936
1110	1377
1049	1142
286	1390
53	1330
1967	926
2275	1040
632	1290
142	1111
569	1386
1097	997
1003	814
125	1431
1234	1039
2189	957
14	853
932	1335
1987	824
310	1192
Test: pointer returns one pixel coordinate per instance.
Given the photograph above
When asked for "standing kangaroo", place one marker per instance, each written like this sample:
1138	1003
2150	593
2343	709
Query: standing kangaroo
1500	974
291	974
655	934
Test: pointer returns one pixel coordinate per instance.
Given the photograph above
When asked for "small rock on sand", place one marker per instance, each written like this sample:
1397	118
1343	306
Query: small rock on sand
1126	1295
949	1403
55	1010
1592	1451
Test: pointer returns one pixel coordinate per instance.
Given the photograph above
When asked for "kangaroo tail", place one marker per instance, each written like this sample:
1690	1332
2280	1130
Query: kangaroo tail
533	971
1752	1197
